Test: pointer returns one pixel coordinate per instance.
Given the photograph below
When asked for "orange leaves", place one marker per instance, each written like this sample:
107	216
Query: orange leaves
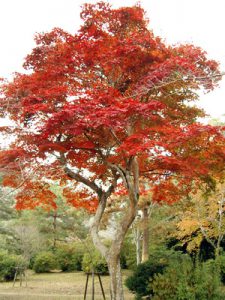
10	181
157	55
34	194
81	199
170	191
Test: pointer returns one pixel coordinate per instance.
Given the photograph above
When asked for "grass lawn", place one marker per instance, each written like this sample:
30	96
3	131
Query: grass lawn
56	286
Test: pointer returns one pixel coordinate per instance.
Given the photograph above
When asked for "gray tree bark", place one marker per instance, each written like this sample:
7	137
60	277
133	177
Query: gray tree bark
145	237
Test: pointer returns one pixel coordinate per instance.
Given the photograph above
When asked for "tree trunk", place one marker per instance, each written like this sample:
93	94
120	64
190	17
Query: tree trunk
145	240
54	229
137	239
116	284
112	253
130	177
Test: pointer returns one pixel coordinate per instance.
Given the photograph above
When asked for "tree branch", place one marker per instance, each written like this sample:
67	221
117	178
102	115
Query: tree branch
163	84
95	226
91	184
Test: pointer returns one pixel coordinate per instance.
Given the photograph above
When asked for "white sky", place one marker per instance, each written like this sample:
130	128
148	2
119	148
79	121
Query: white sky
199	21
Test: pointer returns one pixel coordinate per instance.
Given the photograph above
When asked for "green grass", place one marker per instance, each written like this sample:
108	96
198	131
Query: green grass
56	286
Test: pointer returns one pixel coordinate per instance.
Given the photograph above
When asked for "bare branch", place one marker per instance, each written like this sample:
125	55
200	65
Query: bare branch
164	84
91	184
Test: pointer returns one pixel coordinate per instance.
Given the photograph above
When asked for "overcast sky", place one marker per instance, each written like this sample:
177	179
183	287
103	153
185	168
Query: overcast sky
201	22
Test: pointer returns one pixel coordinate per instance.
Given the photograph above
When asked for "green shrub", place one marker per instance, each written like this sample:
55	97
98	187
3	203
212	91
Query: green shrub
45	262
8	264
123	261
128	255
94	260
221	263
172	282
69	258
31	262
138	283
159	259
182	280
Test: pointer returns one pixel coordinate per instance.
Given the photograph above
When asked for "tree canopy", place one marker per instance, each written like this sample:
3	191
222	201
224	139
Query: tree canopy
104	96
105	108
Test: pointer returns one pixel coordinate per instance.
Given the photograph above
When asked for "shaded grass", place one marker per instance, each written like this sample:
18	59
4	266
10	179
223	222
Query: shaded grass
57	286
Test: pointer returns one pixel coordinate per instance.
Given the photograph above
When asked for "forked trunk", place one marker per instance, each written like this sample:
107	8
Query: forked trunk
112	253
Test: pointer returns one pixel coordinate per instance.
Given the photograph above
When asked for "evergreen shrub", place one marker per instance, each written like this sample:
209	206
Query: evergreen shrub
45	262
8	264
69	258
187	281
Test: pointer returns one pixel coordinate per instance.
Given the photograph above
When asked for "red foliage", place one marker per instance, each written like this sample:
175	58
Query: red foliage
10	181
35	194
9	157
99	98
81	199
169	191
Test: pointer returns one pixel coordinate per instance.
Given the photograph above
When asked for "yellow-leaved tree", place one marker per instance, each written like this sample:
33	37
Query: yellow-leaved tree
203	219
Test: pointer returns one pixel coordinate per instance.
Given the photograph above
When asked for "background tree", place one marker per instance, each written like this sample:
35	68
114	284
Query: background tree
7	215
27	232
106	107
62	224
203	220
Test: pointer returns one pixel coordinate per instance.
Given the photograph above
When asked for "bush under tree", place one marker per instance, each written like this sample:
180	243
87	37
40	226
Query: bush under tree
45	262
184	280
8	265
138	283
69	257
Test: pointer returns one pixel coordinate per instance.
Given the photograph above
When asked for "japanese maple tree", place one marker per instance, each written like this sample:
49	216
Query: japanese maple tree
102	109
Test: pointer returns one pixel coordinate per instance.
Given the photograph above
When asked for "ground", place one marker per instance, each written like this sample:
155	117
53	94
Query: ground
56	286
